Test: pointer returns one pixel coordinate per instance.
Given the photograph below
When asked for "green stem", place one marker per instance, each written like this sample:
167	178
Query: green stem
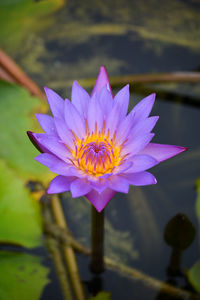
97	241
53	248
68	251
126	271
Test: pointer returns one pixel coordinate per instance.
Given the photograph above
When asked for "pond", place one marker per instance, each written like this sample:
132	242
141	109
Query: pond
63	41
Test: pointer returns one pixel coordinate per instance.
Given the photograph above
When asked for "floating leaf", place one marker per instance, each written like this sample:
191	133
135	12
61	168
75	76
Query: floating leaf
194	276
179	232
20	220
198	199
194	273
101	296
22	276
17	109
21	17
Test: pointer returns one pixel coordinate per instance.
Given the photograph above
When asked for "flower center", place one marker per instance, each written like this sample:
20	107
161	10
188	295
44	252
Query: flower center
96	154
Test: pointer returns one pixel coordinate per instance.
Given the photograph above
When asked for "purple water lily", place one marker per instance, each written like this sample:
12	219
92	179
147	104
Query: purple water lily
94	146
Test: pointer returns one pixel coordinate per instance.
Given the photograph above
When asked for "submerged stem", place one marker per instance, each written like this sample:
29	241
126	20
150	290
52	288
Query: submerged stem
97	241
66	237
68	250
53	247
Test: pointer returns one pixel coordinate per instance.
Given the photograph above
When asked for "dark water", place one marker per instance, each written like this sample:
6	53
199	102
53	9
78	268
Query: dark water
80	38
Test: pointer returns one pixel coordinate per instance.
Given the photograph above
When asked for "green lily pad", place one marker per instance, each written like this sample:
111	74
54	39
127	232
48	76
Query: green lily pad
20	219
22	276
101	296
194	273
198	200
17	109
194	276
20	18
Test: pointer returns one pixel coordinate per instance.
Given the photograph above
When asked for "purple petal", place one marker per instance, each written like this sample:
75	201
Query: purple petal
60	184
142	110
74	120
47	124
95	116
112	121
80	187
137	144
141	162
122	100
124	130
99	185
125	166
36	143
53	145
64	133
80	98
58	166
49	160
102	80
138	179
143	127
99	201
106	101
118	184
162	152
56	103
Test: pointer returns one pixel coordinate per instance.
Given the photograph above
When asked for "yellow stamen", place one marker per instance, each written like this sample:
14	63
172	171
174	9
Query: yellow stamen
96	154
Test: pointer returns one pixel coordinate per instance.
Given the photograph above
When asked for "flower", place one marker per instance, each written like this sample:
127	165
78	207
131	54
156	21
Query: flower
94	146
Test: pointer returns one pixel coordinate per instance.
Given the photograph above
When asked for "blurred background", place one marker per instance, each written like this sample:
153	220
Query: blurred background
55	42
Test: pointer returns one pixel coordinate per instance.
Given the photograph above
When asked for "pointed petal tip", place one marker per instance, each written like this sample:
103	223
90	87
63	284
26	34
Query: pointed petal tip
49	191
29	132
102	80
102	69
99	201
125	88
98	209
151	98
162	152
75	82
103	73
180	149
184	149
34	141
45	88
37	116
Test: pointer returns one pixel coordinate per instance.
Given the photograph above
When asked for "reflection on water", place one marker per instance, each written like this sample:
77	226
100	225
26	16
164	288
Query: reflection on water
129	37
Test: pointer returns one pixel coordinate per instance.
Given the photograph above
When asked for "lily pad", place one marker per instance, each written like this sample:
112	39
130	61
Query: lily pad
22	17
17	109
194	276
194	273
198	200
22	276
20	219
101	296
